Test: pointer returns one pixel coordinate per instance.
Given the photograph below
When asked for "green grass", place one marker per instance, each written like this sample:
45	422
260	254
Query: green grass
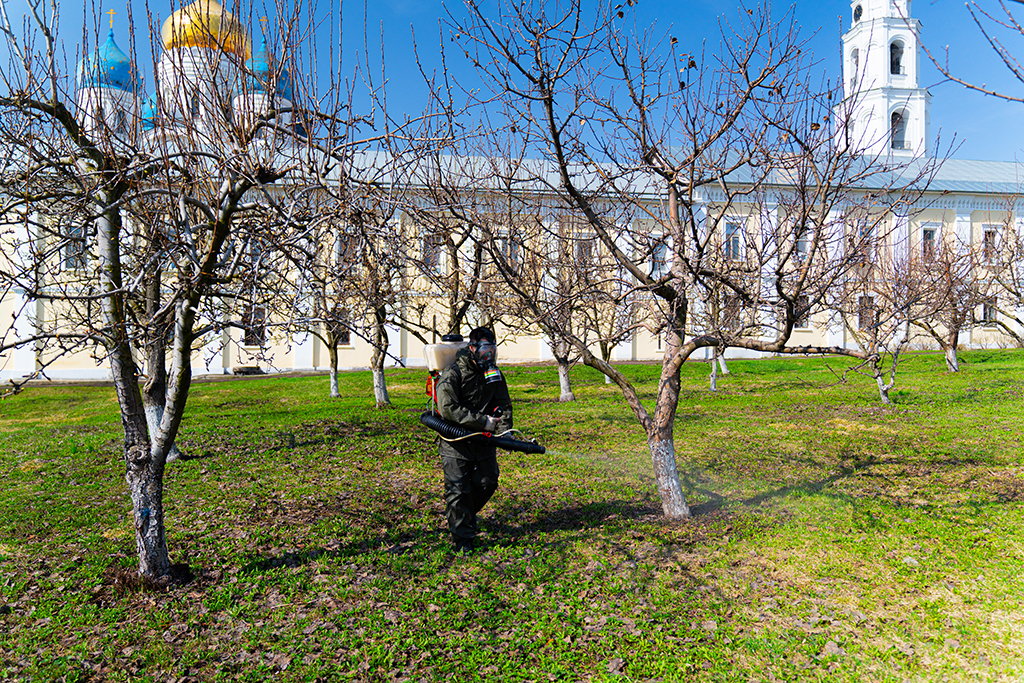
834	538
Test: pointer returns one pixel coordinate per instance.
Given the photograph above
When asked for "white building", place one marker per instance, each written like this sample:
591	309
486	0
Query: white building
207	68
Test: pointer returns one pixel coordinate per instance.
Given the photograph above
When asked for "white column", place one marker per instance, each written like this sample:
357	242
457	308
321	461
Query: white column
214	360
22	360
962	228
900	238
770	217
302	352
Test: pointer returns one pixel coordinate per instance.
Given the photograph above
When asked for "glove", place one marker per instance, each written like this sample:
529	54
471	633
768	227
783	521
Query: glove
491	424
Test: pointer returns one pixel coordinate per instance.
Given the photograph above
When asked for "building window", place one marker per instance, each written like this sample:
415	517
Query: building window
659	260
339	326
733	245
929	237
803	322
865	312
732	311
899	130
803	246
509	250
854	68
896	59
254	322
122	121
989	244
432	244
860	242
989	312
584	251
347	249
194	106
74	248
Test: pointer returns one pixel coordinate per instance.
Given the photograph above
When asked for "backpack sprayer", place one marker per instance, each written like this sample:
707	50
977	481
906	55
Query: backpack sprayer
439	357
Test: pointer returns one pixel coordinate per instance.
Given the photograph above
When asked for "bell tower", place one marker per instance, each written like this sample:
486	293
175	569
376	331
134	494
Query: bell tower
884	109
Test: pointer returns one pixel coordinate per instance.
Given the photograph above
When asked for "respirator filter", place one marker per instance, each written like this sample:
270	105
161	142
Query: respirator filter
486	356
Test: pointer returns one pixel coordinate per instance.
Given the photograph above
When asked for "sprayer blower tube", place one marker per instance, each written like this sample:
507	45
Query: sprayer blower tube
450	430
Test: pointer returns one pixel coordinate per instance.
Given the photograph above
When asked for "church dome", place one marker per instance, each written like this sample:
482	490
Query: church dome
265	76
205	23
150	112
107	67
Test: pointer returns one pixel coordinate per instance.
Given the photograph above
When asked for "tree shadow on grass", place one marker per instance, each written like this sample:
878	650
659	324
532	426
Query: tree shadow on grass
718	502
508	525
503	530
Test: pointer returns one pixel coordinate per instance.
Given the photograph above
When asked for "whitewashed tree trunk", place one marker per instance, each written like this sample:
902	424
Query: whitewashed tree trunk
722	367
663	458
952	362
564	385
332	353
883	389
380	388
379	358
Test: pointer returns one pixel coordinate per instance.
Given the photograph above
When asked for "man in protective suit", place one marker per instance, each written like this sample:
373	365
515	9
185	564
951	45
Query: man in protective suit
471	392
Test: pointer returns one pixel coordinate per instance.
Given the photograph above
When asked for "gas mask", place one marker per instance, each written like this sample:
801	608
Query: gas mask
485	353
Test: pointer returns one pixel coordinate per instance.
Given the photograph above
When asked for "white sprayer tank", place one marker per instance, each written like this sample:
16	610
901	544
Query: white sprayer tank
440	356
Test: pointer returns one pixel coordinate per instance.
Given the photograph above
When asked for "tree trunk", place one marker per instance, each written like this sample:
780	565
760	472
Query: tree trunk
143	472
565	393
154	415
883	387
380	388
660	430
663	457
154	391
952	363
713	377
723	368
377	361
332	353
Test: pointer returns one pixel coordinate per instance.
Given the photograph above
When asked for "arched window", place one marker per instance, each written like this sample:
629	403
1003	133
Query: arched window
854	67
899	130
896	58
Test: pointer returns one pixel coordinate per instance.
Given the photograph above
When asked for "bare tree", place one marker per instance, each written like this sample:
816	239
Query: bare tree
163	223
730	157
952	281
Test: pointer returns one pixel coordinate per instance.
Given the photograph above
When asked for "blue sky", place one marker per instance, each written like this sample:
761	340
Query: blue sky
985	127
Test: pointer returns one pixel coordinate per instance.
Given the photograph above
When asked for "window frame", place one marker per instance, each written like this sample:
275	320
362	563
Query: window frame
74	252
989	248
897	50
866	317
898	130
254	318
990	312
930	245
803	322
431	251
732	242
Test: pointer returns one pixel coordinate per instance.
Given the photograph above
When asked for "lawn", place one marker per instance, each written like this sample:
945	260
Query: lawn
833	538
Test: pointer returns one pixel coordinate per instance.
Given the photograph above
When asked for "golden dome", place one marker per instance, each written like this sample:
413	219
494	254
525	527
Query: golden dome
205	23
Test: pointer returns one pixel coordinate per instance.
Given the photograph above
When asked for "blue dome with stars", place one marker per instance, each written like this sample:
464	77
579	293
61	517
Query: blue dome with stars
107	67
264	76
150	112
